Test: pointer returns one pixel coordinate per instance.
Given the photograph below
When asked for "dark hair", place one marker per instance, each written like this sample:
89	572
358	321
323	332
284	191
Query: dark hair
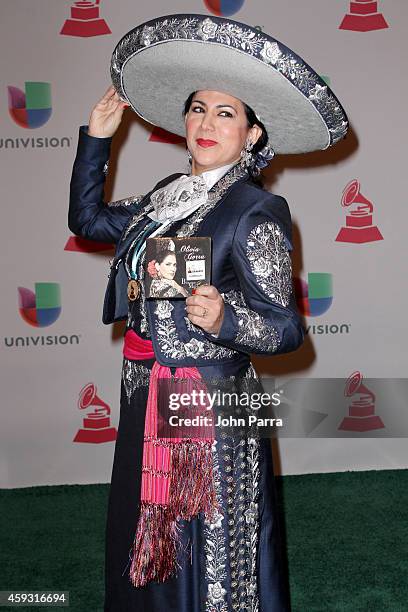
162	254
251	119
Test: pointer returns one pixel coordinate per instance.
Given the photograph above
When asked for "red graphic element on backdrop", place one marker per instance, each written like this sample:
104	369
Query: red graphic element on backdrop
96	425
359	219
362	408
85	20
160	135
363	17
82	245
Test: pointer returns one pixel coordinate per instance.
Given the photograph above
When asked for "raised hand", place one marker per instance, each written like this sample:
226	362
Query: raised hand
106	115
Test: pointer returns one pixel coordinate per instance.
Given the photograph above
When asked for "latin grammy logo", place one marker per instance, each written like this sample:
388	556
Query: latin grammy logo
359	219
85	20
361	410
363	17
96	425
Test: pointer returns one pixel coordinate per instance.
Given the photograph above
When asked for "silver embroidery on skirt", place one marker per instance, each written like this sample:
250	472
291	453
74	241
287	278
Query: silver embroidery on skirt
215	550
232	538
134	376
241	465
252	523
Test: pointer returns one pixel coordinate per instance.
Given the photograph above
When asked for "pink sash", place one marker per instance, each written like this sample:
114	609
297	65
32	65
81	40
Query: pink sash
177	476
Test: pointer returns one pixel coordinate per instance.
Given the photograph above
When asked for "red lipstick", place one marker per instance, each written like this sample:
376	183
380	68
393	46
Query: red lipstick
206	143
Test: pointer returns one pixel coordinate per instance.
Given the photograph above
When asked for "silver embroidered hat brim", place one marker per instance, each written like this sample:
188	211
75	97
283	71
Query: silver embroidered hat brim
157	65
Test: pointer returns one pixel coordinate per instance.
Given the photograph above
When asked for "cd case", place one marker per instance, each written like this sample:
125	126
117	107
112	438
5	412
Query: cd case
176	266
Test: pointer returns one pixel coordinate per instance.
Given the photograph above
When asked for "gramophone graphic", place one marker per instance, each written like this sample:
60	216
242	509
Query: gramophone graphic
359	219
363	17
85	20
361	410
96	427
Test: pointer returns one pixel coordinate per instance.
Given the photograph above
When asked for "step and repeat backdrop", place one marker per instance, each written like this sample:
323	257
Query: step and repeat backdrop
61	366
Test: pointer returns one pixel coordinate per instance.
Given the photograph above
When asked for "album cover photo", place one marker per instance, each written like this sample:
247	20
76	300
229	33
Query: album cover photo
176	266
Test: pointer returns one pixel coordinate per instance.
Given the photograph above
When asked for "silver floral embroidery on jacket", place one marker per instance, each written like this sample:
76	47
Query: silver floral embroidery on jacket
136	218
134	375
270	261
171	345
254	332
230	34
126	201
193	328
144	323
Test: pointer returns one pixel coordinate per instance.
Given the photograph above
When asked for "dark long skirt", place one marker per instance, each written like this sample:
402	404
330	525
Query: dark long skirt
233	563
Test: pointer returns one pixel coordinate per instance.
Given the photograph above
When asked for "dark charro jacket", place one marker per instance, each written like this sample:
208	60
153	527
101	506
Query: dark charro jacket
251	242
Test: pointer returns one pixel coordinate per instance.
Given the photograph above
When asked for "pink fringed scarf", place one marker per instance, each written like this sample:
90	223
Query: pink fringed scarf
177	476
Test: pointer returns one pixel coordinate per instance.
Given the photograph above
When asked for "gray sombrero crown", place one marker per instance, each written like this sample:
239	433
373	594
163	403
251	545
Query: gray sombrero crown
157	65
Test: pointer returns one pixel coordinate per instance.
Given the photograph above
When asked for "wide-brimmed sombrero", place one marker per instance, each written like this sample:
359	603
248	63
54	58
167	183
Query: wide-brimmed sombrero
158	64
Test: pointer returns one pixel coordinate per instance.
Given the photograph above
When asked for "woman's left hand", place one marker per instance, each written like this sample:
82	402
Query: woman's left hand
206	308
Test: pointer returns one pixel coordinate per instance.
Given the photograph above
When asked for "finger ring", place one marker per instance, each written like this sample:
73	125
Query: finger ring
205	312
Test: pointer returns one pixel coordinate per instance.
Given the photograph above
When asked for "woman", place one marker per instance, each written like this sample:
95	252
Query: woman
163	270
192	521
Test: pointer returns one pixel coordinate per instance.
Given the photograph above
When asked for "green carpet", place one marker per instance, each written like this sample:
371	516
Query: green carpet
346	534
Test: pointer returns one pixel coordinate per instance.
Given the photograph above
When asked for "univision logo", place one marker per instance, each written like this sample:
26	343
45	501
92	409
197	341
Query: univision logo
36	143
32	109
334	328
25	341
40	308
224	7
314	298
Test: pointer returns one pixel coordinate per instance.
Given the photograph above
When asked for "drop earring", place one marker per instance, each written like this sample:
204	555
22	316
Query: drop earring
247	157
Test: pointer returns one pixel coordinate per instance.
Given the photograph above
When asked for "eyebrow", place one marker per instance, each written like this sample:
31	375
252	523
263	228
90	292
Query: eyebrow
218	105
